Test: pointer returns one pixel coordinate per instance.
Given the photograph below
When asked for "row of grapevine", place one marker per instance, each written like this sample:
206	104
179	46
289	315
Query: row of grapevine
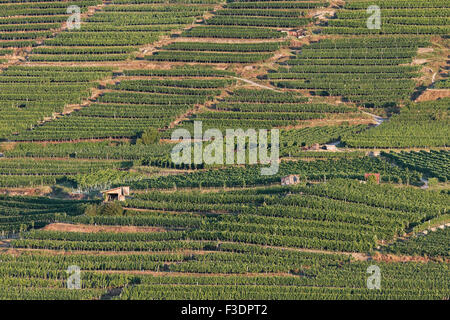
33	94
424	124
433	163
338	68
23	22
114	34
130	107
250	175
397	17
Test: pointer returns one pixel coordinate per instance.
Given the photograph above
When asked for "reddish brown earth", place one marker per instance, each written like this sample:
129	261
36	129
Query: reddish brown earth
433	94
395	258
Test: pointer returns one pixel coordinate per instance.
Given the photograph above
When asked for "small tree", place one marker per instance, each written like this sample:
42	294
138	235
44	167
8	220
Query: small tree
372	179
106	209
149	136
91	210
111	209
432	182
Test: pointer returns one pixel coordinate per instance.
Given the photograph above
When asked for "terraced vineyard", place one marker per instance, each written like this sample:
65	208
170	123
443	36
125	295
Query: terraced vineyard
357	118
23	213
367	71
26	23
255	21
398	17
129	107
32	95
433	163
420	125
293	217
117	31
433	244
265	109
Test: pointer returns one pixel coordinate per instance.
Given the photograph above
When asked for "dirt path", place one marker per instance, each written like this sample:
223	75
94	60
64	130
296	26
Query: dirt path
434	77
182	117
378	120
256	84
84	228
391	258
190	274
61	252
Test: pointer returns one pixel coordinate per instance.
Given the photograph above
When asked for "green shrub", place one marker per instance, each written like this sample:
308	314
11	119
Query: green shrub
105	209
432	182
91	209
111	209
149	136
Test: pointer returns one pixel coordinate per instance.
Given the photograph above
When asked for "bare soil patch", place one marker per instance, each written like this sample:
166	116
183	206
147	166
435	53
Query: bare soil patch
433	94
38	191
397	258
417	62
48	252
329	122
322	14
83	140
425	50
223	40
